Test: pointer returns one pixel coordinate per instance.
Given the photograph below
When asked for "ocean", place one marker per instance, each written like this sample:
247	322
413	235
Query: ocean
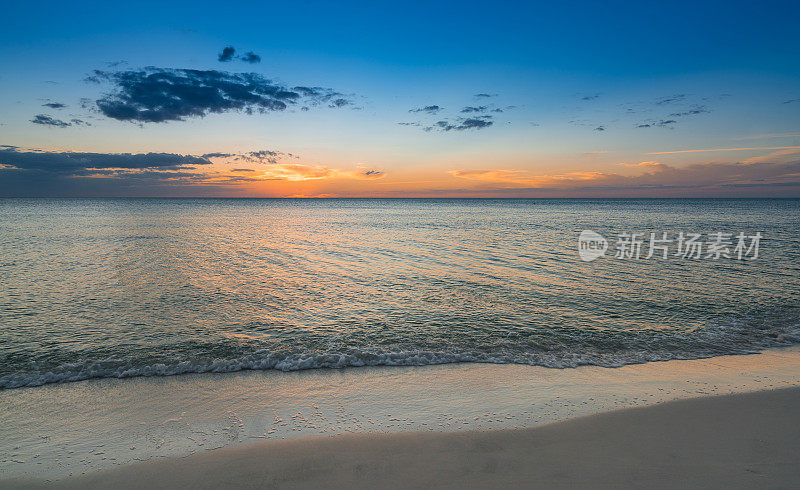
101	288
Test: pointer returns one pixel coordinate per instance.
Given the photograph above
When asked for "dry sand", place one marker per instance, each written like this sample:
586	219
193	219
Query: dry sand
744	440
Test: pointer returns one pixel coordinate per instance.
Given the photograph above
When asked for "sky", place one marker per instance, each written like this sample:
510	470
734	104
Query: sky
429	99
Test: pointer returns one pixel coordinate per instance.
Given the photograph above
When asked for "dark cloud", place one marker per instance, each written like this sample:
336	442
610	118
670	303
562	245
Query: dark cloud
166	94
227	54
251	57
690	112
600	128
73	162
261	156
46	120
27	172
670	99
217	155
54	105
462	124
590	97
791	101
483	95
469	109
661	124
428	109
339	103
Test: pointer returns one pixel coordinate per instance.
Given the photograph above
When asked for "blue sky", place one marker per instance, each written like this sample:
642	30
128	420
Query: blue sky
580	94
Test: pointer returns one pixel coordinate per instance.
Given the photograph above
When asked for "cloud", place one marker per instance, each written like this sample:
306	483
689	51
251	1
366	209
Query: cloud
29	172
462	124
227	54
428	109
700	178
251	57
660	124
726	149
366	173
641	164
791	101
670	99
691	112
469	109
73	162
599	128
484	95
590	97
265	157
775	156
261	156
768	136
166	94
335	103
54	105
217	155
46	120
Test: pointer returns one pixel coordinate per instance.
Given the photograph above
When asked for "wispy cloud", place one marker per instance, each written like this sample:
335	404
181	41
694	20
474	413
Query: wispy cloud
724	149
251	57
45	120
469	109
664	123
462	124
428	109
768	136
670	99
655	176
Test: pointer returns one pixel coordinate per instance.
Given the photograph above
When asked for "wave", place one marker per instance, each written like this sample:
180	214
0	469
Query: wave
265	360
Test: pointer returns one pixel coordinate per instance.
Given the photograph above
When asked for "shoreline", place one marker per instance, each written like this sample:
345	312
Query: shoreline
57	431
746	440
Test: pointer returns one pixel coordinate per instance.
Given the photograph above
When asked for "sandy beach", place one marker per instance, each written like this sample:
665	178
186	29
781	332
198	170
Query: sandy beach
744	440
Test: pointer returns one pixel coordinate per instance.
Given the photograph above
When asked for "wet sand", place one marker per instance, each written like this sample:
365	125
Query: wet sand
741	440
